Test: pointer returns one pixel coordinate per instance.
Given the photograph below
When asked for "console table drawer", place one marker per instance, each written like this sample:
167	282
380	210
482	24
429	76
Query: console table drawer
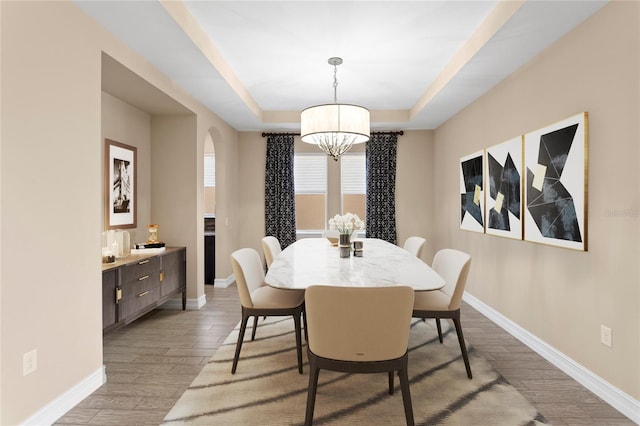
135	272
145	283
140	301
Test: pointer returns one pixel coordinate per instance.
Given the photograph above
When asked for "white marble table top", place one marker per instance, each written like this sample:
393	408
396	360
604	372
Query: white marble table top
312	261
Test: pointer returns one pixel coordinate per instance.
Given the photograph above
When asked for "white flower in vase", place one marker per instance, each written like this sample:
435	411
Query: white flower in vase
346	224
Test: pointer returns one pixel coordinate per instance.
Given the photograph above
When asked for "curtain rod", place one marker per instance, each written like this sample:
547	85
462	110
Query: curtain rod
393	133
265	134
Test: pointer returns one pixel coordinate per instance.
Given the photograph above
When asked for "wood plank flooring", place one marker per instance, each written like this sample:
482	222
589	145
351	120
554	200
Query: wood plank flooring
152	361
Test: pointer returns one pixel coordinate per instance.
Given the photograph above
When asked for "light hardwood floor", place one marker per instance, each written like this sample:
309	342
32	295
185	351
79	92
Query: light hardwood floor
152	361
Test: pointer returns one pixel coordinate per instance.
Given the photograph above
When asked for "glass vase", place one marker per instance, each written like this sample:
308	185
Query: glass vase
344	244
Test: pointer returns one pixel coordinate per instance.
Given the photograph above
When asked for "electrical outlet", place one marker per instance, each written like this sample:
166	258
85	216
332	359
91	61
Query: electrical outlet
605	335
29	362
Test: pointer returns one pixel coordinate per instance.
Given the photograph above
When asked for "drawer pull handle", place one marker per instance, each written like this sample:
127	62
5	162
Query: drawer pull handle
144	293
142	262
143	278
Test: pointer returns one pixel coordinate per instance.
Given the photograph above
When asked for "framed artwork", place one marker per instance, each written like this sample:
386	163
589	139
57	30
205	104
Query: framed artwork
472	193
120	185
555	187
503	183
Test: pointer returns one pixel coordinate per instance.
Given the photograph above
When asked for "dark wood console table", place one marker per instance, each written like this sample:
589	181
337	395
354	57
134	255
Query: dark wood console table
137	284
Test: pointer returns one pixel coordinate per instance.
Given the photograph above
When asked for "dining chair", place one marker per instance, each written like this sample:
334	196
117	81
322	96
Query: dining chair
359	330
414	245
453	267
271	248
259	299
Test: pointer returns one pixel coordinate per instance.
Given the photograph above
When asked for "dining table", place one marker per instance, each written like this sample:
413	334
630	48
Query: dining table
316	261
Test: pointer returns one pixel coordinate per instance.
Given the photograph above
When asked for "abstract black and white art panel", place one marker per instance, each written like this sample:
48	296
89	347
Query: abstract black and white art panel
503	181
472	193
556	183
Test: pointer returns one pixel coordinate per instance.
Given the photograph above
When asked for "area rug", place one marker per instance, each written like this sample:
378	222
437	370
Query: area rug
268	390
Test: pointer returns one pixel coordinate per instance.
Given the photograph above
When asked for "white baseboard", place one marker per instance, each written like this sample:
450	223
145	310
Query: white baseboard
57	408
224	283
192	304
618	399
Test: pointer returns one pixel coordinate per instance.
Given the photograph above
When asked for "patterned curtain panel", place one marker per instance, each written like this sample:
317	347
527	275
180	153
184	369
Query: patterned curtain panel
381	187
279	190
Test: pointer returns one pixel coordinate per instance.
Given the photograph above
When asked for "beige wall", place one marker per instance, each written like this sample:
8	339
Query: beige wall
415	213
126	124
228	220
252	148
559	295
52	195
51	206
209	192
174	188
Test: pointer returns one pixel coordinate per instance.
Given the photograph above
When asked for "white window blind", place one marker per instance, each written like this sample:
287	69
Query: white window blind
353	177
310	173
209	170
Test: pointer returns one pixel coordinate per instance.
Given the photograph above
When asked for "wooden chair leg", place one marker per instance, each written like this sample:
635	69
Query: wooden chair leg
255	328
243	327
391	385
406	396
311	393
439	326
463	347
296	320
304	321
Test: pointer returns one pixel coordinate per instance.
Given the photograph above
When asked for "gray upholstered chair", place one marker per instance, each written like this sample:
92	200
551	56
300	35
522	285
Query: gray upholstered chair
258	299
271	248
453	266
359	330
414	245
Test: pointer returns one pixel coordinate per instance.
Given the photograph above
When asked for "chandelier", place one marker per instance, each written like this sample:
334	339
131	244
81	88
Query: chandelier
334	127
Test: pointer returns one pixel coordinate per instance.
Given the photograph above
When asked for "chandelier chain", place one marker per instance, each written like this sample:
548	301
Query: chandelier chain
335	84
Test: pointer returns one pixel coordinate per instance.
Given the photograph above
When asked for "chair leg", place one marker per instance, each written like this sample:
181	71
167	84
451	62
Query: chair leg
243	327
296	320
255	327
406	396
304	321
391	383
463	347
311	393
439	326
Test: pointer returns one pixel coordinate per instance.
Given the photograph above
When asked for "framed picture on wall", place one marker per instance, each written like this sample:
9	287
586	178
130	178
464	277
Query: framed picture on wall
503	183
120	185
555	158
472	192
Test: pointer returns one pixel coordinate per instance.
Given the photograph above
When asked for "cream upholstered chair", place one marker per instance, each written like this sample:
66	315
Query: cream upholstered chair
359	330
453	266
271	248
258	299
414	245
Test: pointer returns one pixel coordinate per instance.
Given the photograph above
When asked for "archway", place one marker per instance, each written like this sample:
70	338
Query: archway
209	210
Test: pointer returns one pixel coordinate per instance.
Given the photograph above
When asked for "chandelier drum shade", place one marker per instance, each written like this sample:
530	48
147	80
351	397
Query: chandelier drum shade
335	127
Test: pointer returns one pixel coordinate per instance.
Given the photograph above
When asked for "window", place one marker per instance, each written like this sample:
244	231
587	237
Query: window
209	183
209	170
310	175
353	183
